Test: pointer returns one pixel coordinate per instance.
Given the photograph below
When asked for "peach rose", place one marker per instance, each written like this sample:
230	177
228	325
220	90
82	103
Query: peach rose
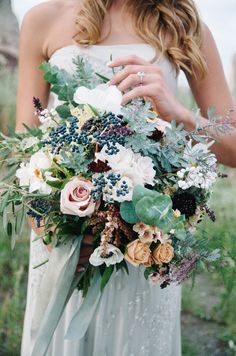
164	253
76	198
137	253
150	262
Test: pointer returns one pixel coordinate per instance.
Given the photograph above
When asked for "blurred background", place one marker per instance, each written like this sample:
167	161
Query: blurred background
208	312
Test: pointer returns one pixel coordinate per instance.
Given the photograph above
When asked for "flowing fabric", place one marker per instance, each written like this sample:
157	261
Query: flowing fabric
133	317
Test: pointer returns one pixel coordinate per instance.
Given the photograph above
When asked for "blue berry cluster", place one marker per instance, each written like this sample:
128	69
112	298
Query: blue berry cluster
106	130
124	189
112	130
64	135
101	181
40	205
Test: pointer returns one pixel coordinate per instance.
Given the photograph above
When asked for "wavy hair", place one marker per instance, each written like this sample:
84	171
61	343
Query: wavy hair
172	27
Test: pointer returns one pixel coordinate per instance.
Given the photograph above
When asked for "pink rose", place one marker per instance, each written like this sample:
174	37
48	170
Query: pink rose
76	198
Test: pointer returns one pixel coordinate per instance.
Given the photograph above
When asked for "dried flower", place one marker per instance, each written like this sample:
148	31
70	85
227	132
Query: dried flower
183	271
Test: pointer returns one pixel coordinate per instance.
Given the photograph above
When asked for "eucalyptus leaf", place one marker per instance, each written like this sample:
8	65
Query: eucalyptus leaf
141	192
127	212
154	210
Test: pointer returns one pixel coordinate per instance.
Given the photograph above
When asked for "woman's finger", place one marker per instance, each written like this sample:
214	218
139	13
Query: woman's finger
140	91
123	61
132	69
83	260
87	239
33	224
133	80
80	268
86	250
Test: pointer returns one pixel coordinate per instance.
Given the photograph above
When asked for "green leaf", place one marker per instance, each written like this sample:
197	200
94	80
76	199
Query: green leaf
63	111
57	184
127	212
20	220
152	210
4	201
51	78
9	229
106	276
56	89
104	79
11	172
92	108
83	227
148	271
140	192
166	223
179	227
4	219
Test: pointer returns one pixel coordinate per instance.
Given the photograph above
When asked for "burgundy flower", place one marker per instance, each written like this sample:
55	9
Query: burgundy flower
99	166
156	135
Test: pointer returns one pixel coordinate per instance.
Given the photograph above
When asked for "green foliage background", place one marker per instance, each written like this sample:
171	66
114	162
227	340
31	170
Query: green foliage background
209	316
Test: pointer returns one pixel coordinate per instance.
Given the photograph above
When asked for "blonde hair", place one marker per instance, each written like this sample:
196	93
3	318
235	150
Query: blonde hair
173	27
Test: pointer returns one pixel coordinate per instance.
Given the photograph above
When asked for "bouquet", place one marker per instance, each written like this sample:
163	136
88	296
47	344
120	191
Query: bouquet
140	186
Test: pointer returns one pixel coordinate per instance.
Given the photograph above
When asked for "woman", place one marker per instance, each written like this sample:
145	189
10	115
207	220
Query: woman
152	40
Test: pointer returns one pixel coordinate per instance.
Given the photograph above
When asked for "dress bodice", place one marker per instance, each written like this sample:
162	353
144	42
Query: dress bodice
99	55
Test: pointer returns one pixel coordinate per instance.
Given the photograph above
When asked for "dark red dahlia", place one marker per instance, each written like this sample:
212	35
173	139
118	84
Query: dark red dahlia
99	167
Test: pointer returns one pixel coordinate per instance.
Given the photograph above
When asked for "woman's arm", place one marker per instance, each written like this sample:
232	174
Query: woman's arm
213	91
33	51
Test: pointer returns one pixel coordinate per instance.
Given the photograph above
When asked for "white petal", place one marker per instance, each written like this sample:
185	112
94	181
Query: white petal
81	95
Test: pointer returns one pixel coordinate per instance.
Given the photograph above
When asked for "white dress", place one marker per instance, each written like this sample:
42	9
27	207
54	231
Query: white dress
134	318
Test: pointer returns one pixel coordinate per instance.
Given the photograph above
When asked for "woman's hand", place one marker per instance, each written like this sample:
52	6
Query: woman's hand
86	246
38	230
85	252
153	86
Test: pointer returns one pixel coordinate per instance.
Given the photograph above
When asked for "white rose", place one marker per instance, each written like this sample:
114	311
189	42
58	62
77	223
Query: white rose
103	97
142	171
119	162
115	256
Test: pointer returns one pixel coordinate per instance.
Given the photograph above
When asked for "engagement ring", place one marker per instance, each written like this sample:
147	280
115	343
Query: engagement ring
141	76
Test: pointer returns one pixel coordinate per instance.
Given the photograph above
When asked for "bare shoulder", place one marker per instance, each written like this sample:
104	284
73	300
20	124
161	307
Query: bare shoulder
45	22
207	38
40	14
